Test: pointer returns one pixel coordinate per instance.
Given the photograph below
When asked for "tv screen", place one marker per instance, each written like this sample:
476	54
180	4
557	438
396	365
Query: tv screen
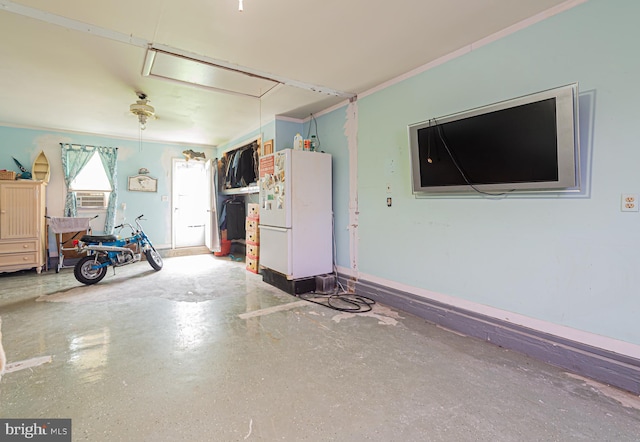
525	144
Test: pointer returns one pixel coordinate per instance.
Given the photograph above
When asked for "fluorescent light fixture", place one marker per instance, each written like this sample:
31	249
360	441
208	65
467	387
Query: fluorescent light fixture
208	75
185	67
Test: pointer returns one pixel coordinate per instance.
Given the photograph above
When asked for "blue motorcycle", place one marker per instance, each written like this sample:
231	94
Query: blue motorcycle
107	250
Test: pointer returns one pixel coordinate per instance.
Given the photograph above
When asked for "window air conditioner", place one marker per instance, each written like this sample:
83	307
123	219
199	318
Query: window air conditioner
91	200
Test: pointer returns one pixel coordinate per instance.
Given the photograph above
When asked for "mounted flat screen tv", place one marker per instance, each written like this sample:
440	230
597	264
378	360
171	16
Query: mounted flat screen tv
528	143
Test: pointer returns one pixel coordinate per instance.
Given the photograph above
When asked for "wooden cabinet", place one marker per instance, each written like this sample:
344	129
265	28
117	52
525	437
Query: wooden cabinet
22	225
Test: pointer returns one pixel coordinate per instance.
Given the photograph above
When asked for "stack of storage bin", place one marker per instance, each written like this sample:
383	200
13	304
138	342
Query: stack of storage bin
253	239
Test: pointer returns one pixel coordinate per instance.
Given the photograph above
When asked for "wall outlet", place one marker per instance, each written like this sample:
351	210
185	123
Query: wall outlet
629	202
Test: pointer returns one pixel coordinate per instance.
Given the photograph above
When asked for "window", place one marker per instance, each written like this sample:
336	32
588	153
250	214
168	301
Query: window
92	185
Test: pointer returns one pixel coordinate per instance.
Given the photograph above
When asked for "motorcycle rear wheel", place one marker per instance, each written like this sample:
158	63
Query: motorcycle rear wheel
84	272
154	259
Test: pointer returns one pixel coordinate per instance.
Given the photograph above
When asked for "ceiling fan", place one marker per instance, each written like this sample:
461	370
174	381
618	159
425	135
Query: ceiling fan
142	109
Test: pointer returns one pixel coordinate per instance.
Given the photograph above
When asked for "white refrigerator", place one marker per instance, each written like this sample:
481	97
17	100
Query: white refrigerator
296	213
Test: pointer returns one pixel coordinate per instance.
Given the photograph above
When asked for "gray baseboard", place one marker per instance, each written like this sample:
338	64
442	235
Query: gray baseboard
596	363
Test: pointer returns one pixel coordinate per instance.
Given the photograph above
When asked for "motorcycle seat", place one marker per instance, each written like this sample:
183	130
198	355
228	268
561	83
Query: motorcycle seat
98	238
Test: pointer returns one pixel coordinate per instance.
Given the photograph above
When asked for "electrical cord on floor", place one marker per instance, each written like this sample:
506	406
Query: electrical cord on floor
342	302
340	299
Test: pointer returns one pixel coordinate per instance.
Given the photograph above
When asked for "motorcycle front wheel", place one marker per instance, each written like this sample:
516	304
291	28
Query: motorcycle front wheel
86	274
154	259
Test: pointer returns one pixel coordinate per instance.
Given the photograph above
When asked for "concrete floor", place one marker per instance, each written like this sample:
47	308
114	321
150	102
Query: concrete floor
205	351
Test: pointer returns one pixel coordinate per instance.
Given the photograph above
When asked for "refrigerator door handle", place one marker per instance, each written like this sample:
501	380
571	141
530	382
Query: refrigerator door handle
277	229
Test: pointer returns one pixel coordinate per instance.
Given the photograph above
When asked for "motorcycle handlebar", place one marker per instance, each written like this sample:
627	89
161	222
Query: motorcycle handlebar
120	226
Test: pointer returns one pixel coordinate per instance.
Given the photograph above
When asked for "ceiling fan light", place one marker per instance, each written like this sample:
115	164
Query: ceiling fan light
143	111
141	107
142	119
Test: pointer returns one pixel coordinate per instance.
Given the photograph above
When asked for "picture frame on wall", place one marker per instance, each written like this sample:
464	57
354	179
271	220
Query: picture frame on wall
267	147
143	183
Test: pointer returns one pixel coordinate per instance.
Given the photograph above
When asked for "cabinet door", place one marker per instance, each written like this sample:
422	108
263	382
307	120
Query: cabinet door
19	211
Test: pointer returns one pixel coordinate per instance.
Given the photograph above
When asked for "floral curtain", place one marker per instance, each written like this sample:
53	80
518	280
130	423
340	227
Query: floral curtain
109	157
74	158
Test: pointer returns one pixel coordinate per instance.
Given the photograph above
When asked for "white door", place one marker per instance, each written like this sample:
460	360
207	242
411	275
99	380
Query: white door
191	202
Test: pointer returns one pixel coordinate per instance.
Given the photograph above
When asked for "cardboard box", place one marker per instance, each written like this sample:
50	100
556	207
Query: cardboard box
253	210
252	265
251	225
253	251
253	237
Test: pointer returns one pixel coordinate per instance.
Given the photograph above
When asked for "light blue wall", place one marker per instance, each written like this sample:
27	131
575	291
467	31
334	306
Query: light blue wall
25	144
285	132
569	260
330	131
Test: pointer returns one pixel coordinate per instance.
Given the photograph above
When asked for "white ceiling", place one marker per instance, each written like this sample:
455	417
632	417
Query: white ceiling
54	76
